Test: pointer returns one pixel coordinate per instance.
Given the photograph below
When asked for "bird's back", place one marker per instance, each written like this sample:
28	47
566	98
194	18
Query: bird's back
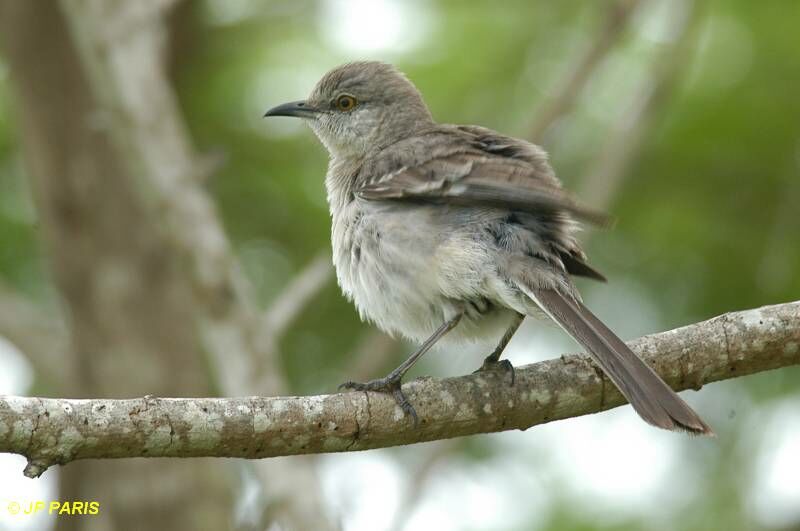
475	167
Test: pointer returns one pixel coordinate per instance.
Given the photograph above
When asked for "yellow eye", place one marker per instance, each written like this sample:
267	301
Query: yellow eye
345	102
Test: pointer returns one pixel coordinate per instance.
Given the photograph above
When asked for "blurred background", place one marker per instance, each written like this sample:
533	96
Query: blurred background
157	236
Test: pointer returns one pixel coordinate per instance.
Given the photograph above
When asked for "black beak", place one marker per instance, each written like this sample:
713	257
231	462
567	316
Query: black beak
298	109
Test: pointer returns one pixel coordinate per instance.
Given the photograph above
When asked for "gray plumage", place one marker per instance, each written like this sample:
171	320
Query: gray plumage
452	233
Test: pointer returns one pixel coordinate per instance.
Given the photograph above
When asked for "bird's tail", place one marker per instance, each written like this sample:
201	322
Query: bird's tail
652	399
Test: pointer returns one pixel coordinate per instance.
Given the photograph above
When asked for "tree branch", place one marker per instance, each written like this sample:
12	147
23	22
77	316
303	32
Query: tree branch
300	291
56	431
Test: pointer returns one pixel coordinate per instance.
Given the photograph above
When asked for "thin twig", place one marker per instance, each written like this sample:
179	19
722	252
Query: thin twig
298	294
566	91
624	143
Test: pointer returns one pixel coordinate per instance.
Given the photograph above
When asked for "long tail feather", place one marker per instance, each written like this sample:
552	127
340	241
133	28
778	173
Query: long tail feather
652	399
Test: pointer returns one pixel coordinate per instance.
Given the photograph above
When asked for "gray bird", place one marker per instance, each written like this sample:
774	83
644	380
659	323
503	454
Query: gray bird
451	233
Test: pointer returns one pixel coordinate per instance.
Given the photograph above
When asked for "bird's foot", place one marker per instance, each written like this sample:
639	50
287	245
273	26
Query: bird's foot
492	364
390	385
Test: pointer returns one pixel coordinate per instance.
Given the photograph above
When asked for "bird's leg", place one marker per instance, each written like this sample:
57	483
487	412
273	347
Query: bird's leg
391	383
492	361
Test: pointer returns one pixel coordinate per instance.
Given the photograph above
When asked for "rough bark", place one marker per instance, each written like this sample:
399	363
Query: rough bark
57	431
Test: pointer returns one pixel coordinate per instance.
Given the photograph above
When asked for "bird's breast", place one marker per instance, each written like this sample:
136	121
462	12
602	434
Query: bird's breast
379	265
408	273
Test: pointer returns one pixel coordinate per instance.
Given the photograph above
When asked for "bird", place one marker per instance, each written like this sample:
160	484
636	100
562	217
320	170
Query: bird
445	234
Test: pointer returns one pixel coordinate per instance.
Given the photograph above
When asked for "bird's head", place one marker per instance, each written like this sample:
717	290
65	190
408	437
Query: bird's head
359	107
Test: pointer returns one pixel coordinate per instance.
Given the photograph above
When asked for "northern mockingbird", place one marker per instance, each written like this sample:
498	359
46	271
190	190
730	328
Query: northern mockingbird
453	233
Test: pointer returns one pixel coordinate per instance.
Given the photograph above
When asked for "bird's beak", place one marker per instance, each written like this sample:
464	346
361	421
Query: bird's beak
298	109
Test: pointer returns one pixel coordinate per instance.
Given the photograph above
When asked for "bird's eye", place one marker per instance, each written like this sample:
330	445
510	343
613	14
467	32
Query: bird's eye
345	102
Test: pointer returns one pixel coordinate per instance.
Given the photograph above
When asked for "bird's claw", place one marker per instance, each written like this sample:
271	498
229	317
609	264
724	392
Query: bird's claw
492	365
385	385
381	385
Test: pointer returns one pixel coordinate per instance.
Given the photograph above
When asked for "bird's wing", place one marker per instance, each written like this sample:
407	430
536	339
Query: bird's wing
479	178
575	264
